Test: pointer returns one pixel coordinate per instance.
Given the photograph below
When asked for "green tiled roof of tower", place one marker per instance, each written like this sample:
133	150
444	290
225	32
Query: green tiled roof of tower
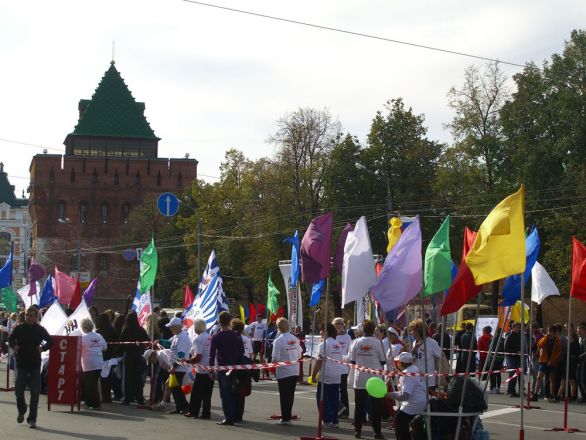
112	111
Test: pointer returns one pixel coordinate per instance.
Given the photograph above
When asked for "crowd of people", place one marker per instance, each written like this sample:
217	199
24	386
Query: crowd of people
118	354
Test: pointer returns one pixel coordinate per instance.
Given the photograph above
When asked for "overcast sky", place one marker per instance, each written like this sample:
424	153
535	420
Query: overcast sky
213	79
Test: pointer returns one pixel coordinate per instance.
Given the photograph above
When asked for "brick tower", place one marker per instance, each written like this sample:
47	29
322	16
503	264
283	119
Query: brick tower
80	201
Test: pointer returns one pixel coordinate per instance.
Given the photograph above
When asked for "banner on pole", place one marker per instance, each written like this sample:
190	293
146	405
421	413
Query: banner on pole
294	303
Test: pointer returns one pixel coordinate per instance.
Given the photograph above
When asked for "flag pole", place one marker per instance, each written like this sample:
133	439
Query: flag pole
424	337
522	372
469	361
493	348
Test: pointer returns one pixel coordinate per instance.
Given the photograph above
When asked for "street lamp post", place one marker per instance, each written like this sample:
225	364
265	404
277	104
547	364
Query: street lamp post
67	222
199	234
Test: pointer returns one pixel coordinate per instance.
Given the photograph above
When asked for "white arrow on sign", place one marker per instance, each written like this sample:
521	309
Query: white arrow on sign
168	201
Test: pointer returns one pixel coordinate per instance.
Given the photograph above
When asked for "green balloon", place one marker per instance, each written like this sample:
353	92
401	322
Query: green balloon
376	387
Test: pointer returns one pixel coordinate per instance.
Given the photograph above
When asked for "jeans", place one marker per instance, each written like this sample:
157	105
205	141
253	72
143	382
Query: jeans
361	400
201	395
513	362
227	396
30	377
344	391
331	401
287	395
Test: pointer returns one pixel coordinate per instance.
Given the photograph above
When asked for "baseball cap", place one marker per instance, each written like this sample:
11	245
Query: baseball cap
405	357
175	322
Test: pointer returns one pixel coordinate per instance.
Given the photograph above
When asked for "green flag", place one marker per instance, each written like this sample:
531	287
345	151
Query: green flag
9	299
437	275
148	267
273	296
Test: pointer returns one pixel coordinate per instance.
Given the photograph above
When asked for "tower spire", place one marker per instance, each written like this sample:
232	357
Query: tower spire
113	52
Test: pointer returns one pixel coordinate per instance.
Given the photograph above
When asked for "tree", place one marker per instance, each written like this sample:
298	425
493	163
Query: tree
304	141
476	126
398	152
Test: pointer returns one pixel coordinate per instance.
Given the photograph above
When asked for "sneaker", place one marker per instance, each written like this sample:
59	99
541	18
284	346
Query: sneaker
379	436
534	398
357	434
162	406
284	422
333	425
32	424
20	418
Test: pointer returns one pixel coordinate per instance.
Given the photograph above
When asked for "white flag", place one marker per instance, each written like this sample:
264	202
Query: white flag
54	320
73	326
542	285
358	272
28	300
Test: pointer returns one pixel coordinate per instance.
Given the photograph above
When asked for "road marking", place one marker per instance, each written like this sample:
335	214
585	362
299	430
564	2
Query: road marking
516	425
498	412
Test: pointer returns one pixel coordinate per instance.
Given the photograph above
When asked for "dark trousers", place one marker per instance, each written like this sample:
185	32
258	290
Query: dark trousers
132	379
239	407
106	387
178	394
89	388
581	378
30	377
331	401
361	400
402	421
201	395
513	362
116	375
161	377
227	396
344	391
287	395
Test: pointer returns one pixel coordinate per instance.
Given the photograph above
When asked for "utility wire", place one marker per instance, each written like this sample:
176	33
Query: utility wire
356	34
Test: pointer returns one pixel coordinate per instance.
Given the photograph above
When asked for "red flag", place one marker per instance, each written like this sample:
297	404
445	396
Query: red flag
65	287
280	312
315	249
261	310
463	288
252	315
187	297
578	287
76	297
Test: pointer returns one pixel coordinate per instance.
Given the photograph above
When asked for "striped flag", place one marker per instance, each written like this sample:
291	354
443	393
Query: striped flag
210	299
141	304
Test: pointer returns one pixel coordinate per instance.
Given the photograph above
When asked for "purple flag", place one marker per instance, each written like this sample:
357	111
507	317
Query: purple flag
401	277
315	249
339	257
88	294
35	273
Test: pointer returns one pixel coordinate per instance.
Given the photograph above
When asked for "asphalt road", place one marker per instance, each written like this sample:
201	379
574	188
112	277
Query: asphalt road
118	422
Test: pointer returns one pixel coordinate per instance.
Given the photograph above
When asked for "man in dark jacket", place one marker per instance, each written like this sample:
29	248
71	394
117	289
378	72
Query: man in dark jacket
28	340
513	350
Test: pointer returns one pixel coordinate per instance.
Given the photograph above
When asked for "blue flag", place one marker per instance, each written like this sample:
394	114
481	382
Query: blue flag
6	272
512	287
295	270
48	293
316	292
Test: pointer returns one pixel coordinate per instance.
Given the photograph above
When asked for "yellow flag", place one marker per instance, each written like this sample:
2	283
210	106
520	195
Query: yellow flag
173	382
394	232
516	312
242	315
499	248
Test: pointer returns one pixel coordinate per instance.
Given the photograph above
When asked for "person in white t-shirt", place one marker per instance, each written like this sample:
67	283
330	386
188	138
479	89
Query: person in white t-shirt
203	385
238	326
180	346
257	333
344	340
410	393
286	348
93	346
330	376
367	351
419	348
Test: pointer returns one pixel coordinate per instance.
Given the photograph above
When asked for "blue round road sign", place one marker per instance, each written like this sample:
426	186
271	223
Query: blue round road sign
168	204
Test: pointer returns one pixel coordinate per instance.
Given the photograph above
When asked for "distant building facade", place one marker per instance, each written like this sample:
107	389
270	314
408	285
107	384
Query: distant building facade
81	201
15	228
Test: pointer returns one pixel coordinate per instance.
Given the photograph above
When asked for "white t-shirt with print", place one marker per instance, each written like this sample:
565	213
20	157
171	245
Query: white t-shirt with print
345	341
92	349
433	354
330	371
201	345
415	387
286	348
367	351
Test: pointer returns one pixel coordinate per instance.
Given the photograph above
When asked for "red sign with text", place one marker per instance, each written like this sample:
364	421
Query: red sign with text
64	371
